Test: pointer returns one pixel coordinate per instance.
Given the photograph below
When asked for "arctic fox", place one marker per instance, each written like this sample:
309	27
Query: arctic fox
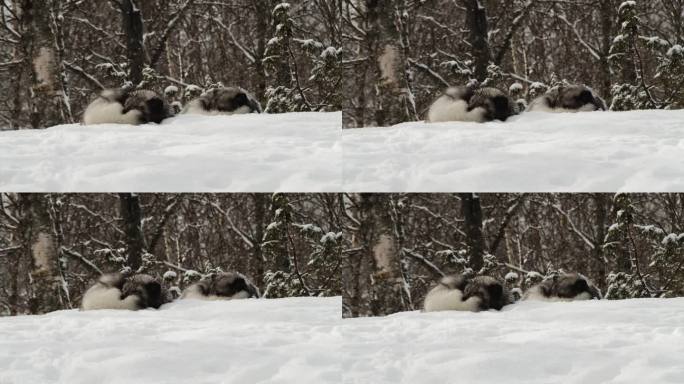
572	98
223	101
114	291
476	105
457	293
224	286
119	106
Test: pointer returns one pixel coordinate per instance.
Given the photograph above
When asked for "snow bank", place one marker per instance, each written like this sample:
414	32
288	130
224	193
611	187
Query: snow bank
292	152
293	340
534	152
629	341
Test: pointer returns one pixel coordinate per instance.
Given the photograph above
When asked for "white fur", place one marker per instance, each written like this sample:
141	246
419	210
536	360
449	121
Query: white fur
193	292
541	104
195	108
535	293
100	296
446	108
102	111
442	298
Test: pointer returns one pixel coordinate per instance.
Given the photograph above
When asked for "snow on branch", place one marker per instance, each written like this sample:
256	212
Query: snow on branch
81	258
429	71
576	230
228	29
167	31
425	262
573	26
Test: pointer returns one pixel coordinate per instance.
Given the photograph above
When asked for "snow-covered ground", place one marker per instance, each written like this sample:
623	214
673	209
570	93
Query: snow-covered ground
591	342
582	152
303	340
292	152
293	340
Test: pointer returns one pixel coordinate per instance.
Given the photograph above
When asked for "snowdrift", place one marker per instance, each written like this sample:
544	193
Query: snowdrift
534	152
629	341
292	152
294	340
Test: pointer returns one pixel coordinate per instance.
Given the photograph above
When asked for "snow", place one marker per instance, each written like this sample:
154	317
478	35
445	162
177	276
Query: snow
511	276
675	50
626	4
628	341
291	152
515	87
169	275
171	89
293	340
330	52
632	151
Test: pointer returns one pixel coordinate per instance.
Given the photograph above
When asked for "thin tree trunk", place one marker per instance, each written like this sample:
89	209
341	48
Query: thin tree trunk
132	25
131	214
601	201
607	14
257	263
14	259
476	21
263	12
472	214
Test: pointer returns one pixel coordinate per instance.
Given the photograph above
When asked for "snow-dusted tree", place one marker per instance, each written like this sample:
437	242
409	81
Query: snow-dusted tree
619	242
376	282
180	238
632	92
283	95
40	244
276	247
43	45
394	101
289	56
154	44
535	236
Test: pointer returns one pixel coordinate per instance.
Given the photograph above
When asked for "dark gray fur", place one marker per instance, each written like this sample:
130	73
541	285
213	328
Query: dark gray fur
227	284
147	290
492	293
153	108
228	99
498	105
573	97
568	286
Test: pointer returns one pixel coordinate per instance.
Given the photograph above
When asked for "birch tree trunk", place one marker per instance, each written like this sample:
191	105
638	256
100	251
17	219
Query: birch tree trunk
49	102
394	101
40	246
383	282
